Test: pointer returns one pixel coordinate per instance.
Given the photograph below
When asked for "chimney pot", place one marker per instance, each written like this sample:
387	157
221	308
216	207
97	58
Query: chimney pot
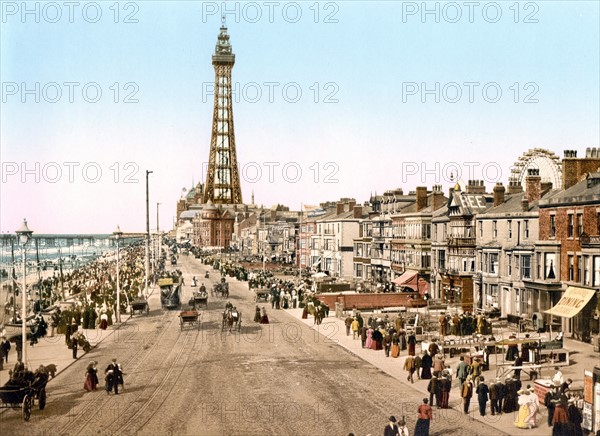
499	191
421	197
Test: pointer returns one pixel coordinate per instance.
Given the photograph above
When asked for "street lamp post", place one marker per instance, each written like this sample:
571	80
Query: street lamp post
147	231
24	235
117	234
157	252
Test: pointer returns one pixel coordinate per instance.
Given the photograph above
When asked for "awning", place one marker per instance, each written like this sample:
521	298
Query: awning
411	279
405	278
572	302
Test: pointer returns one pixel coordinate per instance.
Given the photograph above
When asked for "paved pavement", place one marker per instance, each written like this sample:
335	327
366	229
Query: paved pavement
53	350
332	330
582	357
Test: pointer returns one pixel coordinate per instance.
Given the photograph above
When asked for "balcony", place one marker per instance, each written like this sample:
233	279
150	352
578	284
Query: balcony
456	241
589	241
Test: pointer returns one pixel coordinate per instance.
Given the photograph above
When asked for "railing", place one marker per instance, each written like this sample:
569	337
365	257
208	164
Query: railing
455	241
589	240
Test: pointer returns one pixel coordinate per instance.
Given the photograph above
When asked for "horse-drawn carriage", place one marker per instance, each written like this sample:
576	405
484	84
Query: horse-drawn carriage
220	289
200	298
190	317
21	391
169	293
232	319
140	305
261	295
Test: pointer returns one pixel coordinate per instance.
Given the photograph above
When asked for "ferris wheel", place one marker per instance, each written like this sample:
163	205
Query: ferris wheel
546	161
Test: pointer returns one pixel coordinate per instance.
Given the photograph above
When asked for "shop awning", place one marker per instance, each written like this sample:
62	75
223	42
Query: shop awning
406	278
572	302
411	279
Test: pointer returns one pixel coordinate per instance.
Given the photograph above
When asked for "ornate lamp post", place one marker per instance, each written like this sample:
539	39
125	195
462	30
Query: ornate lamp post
117	234
24	235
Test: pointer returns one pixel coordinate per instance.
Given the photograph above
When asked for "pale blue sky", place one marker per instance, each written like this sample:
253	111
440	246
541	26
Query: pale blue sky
367	57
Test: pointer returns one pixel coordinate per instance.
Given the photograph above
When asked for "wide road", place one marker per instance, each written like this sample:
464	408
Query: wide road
276	379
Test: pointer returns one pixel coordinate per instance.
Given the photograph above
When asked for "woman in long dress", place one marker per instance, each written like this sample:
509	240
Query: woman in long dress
377	339
265	318
524	411
257	314
369	342
412	342
426	364
91	377
395	345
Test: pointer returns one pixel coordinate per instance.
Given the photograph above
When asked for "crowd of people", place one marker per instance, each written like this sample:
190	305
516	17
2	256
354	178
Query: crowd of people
496	396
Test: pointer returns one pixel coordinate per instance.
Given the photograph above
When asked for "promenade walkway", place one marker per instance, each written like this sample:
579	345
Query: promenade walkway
582	357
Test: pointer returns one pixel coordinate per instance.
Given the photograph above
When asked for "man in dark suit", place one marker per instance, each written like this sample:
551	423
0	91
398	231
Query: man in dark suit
392	428
112	372
482	395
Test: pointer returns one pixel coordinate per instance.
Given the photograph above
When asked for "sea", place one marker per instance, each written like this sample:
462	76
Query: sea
47	252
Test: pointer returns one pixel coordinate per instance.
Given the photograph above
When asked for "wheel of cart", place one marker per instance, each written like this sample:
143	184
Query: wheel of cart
26	407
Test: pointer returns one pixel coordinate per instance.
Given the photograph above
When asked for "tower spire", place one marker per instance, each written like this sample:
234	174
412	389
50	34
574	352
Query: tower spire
222	179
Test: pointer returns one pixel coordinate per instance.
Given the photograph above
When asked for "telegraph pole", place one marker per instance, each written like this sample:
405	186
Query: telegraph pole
147	232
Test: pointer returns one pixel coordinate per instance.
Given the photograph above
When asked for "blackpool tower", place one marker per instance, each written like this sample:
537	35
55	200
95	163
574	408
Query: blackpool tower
223	179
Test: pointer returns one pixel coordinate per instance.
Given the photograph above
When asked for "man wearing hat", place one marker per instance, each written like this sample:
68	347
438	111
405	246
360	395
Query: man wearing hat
113	372
391	429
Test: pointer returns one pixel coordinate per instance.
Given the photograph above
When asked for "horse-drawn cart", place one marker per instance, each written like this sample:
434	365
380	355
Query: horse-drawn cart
190	317
200	299
261	295
140	305
22	392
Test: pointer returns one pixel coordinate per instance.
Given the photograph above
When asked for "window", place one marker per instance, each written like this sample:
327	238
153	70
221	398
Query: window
526	223
524	301
538	265
570	225
441	259
596	271
509	229
494	229
586	271
549	266
435	231
579	224
571	269
509	266
481	229
579	269
552	226
359	270
526	267
493	265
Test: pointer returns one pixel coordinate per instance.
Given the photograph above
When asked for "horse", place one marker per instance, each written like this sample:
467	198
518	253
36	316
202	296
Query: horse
232	317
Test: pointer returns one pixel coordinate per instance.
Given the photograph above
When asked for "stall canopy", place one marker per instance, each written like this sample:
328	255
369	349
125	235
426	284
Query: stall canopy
572	302
411	280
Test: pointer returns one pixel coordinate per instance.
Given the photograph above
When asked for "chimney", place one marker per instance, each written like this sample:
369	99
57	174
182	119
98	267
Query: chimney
525	204
339	208
533	183
498	194
357	212
573	169
514	187
546	186
273	215
437	197
351	204
475	187
421	197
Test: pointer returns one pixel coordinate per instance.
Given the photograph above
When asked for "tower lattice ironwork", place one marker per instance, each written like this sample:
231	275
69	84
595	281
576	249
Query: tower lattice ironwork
223	179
